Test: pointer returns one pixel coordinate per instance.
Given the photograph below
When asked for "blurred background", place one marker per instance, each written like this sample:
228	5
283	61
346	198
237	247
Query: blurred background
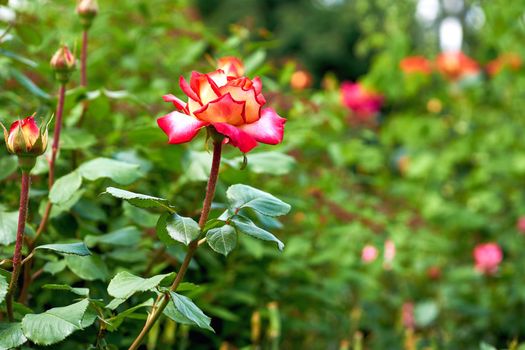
403	159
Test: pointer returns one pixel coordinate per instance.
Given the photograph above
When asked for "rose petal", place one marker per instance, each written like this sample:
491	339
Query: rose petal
253	108
186	88
178	103
180	127
268	129
237	137
223	109
201	84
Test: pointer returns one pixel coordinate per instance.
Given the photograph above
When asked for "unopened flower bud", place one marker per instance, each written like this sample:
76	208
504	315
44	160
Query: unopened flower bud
87	10
63	62
26	140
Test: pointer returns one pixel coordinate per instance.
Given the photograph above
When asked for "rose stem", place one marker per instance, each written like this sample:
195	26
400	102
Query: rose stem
192	247
17	256
51	180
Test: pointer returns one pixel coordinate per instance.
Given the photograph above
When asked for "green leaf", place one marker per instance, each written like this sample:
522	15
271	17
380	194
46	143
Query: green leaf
425	313
125	284
8	165
252	62
54	267
83	292
11	335
57	323
18	58
29	85
127	236
174	227
3	288
222	239
120	172
76	139
274	163
88	267
116	321
248	227
485	346
139	200
29	34
191	311
8	227
78	248
65	187
243	196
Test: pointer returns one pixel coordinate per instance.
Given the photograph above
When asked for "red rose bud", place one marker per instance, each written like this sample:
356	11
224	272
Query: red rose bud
232	66
87	10
63	62
26	140
232	106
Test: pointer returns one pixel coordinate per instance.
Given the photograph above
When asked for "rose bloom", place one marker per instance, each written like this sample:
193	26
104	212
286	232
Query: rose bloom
232	66
487	257
25	137
369	253
456	65
231	105
362	102
415	64
507	60
520	225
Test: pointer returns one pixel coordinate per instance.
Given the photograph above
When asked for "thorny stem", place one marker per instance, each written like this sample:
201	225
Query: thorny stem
17	256
156	311
51	180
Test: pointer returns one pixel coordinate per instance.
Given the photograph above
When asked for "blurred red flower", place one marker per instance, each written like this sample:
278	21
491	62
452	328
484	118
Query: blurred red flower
456	65
364	103
507	60
415	64
487	257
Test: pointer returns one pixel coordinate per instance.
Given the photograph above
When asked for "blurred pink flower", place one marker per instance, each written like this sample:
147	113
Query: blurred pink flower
369	253
363	102
389	254
520	225
407	315
487	257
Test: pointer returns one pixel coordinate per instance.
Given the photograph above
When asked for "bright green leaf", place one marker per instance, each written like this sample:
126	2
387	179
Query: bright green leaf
11	335
222	239
8	227
120	172
8	165
174	227
55	324
125	284
65	187
274	163
84	292
139	200
243	196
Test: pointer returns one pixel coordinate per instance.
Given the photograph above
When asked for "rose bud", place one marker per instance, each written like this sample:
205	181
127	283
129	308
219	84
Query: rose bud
26	140
230	106
369	253
63	62
487	258
87	10
232	66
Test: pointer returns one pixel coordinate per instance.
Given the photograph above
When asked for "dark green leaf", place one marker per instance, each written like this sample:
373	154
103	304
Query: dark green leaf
3	288
88	267
191	311
248	227
84	292
222	239
127	236
78	248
